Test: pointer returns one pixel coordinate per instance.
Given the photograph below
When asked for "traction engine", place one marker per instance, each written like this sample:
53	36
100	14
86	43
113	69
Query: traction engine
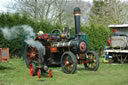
62	48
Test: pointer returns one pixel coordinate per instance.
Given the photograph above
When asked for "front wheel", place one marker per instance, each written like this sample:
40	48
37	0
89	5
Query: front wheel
93	61
39	73
32	54
32	69
50	73
68	62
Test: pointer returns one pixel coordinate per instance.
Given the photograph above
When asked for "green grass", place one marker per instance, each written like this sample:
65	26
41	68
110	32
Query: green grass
16	73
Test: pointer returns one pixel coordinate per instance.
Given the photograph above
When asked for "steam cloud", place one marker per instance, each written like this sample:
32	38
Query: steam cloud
26	30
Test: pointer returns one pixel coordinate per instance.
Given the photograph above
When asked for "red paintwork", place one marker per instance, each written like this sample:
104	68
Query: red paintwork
38	36
31	70
46	36
114	30
83	46
32	52
109	41
42	37
68	63
91	65
50	73
53	49
70	67
83	58
85	61
39	73
65	63
51	38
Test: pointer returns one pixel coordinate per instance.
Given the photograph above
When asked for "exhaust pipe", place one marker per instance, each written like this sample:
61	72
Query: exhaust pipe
77	20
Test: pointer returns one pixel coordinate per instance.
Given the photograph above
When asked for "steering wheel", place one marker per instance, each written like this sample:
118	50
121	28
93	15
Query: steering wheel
56	31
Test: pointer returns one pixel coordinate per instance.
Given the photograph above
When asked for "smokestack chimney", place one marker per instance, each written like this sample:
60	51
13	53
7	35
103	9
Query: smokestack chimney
77	19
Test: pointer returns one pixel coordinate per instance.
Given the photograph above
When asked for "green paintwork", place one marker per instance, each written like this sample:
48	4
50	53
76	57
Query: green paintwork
83	37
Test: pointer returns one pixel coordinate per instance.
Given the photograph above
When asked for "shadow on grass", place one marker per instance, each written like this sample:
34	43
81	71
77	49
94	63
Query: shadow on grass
44	77
54	66
5	67
40	80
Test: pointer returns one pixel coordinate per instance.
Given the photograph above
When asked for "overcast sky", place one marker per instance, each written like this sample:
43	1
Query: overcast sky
5	3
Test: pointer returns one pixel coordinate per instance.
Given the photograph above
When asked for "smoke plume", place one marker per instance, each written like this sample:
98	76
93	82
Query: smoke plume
25	30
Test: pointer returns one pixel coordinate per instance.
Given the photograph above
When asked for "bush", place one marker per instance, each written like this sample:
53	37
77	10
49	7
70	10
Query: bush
97	34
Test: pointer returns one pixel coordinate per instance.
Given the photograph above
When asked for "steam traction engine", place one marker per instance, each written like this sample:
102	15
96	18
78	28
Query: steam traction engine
62	48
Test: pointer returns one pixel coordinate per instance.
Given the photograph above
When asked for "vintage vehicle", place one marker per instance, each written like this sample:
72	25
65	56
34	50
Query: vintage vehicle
64	48
117	49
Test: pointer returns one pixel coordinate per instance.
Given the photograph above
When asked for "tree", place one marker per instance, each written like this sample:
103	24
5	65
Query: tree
37	9
54	11
67	15
109	12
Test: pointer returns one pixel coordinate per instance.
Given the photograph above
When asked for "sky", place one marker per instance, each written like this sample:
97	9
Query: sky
5	3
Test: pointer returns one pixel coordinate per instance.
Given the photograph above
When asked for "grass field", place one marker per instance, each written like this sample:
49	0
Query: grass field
16	73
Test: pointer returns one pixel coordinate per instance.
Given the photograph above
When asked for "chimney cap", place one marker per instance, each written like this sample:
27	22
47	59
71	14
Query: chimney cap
76	10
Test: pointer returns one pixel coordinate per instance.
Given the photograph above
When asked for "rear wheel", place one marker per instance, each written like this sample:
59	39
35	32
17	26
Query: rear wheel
68	62
93	61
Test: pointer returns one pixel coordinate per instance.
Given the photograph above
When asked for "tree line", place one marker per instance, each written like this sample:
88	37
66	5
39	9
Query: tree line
61	11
